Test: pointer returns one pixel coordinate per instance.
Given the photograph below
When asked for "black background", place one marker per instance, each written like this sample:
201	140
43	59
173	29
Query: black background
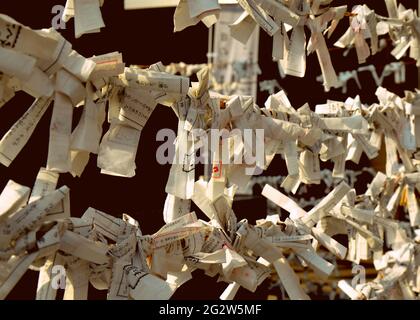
145	37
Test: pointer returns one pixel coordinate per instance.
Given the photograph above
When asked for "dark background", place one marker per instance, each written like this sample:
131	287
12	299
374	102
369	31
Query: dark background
145	37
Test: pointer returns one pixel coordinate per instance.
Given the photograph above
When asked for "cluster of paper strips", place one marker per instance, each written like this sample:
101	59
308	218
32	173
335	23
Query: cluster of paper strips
285	21
87	16
38	232
234	65
397	69
277	18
